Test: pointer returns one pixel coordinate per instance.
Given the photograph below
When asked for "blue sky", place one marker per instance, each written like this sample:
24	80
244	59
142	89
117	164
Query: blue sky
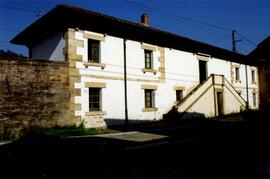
250	18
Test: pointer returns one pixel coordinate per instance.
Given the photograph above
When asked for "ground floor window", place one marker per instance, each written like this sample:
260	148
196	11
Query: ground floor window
94	99
149	98
254	99
179	95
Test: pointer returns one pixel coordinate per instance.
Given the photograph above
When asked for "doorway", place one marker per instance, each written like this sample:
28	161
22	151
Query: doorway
202	70
220	109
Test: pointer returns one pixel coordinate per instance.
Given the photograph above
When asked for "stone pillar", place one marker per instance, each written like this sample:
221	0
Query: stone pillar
70	52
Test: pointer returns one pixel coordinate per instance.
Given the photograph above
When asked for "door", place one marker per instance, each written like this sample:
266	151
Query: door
220	103
202	70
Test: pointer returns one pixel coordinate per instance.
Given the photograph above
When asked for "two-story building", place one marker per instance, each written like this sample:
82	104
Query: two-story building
125	71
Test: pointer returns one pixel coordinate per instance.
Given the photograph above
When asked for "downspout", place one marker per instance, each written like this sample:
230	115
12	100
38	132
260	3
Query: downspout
214	91
125	82
247	103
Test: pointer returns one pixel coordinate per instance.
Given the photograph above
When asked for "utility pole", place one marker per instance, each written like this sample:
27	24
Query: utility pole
235	51
234	42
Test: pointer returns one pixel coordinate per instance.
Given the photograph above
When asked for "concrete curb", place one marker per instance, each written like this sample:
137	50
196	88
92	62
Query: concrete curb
159	144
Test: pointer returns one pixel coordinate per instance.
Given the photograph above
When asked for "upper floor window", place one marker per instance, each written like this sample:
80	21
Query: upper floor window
237	74
148	57
93	51
179	95
253	76
149	98
94	99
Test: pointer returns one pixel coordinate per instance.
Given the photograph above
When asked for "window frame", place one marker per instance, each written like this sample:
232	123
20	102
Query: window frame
148	60
90	55
178	94
237	74
151	102
253	76
92	102
254	98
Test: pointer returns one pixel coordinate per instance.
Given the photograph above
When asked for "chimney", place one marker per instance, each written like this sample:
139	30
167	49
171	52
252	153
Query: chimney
144	19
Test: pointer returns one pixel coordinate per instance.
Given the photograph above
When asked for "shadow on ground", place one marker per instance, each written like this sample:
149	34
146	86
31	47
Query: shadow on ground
192	149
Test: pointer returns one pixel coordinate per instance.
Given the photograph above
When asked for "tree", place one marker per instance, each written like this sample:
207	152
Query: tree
10	54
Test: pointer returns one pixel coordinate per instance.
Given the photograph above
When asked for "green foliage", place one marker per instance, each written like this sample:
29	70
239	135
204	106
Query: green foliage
36	131
10	54
6	134
57	131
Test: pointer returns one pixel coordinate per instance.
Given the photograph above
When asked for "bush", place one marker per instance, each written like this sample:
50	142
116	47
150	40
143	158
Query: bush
7	134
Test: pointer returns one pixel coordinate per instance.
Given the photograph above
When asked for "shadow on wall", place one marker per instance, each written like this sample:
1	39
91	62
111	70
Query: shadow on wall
171	116
119	122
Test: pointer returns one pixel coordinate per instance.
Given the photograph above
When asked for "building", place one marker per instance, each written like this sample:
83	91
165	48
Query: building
125	71
261	53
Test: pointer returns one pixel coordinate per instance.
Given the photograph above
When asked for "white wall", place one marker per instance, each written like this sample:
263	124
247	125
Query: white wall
50	49
182	69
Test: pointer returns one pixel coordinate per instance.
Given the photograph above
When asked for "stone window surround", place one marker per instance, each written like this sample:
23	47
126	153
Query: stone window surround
179	88
253	81
95	85
236	65
151	87
98	38
148	47
202	57
152	48
254	95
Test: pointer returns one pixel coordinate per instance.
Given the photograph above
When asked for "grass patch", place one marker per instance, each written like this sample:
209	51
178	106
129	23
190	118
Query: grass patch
36	131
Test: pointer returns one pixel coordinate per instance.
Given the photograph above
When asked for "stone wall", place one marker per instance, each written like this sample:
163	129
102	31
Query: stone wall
33	92
264	86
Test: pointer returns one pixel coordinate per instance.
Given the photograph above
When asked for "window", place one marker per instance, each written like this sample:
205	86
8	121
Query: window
253	76
93	51
254	99
179	95
237	75
149	98
94	99
148	59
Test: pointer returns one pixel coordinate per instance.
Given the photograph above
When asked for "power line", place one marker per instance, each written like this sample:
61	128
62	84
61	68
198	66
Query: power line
247	39
188	27
8	29
221	39
191	20
18	9
179	17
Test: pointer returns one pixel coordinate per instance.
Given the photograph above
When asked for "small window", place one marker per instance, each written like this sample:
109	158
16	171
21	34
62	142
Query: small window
148	59
254	99
93	51
239	93
237	75
253	76
149	98
94	99
179	95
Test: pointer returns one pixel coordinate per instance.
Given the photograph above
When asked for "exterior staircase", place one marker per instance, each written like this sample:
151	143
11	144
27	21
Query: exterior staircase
215	96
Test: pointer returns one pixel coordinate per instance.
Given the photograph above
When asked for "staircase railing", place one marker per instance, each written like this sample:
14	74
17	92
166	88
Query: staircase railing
191	92
212	81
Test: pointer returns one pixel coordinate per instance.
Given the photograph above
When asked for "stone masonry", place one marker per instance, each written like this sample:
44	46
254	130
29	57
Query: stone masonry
34	92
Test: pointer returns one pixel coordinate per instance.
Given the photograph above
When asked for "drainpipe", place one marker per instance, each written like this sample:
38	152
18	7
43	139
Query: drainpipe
247	103
125	82
214	91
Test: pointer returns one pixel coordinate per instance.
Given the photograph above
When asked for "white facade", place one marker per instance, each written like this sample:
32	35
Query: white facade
50	49
181	70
